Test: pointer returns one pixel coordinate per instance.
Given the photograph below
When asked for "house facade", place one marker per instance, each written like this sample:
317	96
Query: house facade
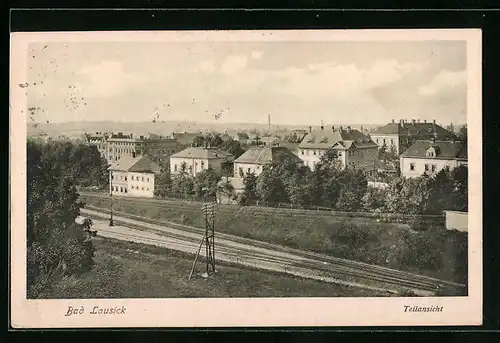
398	137
133	176
354	149
197	159
255	159
432	156
99	139
120	145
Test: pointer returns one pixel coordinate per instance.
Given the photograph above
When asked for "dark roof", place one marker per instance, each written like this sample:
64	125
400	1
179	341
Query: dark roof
139	164
414	129
267	155
325	139
202	153
444	150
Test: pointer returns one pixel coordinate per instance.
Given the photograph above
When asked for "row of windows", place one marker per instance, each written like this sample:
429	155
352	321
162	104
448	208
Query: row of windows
190	168
124	178
120	189
428	167
141	188
383	141
306	152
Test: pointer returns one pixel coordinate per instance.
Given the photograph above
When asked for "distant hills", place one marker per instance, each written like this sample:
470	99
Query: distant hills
72	129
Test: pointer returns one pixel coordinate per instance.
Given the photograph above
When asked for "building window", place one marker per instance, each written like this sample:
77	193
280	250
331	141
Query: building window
248	170
142	188
392	141
302	152
132	177
175	167
377	141
125	178
112	177
258	167
195	163
147	189
426	167
121	189
433	168
202	164
125	189
314	152
412	166
340	153
147	179
143	179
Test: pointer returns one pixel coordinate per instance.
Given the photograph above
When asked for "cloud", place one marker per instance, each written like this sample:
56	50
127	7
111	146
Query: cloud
107	79
444	82
233	64
385	72
257	55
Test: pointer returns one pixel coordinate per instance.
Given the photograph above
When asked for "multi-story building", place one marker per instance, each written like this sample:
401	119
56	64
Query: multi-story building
431	156
255	159
133	176
241	137
197	159
398	137
120	145
159	149
354	149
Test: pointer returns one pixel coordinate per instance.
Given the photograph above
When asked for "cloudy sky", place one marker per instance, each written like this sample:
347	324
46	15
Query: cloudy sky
299	83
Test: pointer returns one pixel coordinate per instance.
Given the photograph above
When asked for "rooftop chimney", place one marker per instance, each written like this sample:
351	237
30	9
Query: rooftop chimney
341	128
413	121
393	121
322	127
402	123
425	120
310	129
362	129
348	129
434	121
333	128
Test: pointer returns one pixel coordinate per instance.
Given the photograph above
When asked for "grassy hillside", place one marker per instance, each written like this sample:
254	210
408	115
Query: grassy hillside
130	270
435	252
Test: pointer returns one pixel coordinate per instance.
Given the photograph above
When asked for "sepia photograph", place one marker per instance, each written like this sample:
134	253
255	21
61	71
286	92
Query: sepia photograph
256	174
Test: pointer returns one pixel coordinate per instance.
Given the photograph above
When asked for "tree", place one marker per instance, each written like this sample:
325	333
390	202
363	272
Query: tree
199	140
270	187
462	133
460	193
233	147
250	189
205	183
374	199
57	245
163	184
353	186
183	182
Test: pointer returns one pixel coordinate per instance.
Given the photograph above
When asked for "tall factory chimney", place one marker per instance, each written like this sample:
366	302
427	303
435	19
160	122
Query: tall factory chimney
269	122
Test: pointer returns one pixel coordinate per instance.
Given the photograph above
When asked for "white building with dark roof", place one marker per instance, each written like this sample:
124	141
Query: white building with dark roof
432	156
354	149
400	136
197	159
133	176
255	159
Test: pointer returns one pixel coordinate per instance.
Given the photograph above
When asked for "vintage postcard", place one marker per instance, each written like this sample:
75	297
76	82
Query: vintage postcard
246	178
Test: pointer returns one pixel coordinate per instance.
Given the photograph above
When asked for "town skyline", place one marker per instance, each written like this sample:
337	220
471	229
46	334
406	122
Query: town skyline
297	83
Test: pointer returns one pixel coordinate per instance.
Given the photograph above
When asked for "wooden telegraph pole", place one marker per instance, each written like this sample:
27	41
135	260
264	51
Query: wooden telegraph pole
208	211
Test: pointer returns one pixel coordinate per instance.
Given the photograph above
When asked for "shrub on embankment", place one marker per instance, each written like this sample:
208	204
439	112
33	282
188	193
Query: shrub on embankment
432	251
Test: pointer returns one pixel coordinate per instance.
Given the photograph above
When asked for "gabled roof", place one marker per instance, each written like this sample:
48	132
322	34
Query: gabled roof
139	164
325	139
202	153
414	129
444	150
267	155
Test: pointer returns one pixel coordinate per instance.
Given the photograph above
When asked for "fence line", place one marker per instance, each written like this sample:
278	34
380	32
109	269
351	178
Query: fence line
287	207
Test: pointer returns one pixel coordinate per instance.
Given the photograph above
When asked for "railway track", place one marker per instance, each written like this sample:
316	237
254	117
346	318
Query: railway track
289	260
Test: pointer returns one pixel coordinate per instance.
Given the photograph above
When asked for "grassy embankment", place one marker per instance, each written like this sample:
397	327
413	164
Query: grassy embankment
435	252
130	270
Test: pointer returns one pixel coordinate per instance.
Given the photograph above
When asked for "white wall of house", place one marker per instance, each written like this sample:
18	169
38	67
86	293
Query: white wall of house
118	182
247	168
132	184
141	184
195	165
389	140
415	167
